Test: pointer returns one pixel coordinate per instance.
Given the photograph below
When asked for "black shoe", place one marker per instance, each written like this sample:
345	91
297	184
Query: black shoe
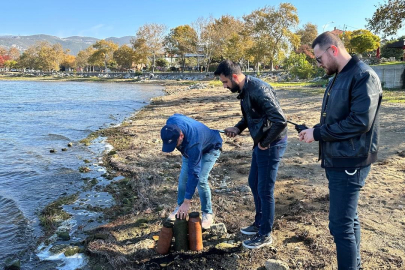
258	241
250	230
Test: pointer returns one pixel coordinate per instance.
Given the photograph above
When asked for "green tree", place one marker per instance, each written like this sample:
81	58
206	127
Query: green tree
152	36
388	17
205	45
112	65
124	57
46	58
307	50
271	31
103	54
364	41
28	58
229	38
59	55
69	61
42	56
234	49
216	38
181	40
141	51
387	52
346	37
162	63
10	64
82	58
298	65
307	34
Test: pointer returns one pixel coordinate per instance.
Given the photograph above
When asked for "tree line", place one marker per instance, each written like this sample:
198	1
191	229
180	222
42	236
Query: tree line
266	38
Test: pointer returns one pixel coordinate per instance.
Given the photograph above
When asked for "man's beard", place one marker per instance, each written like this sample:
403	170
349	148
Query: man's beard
332	69
235	87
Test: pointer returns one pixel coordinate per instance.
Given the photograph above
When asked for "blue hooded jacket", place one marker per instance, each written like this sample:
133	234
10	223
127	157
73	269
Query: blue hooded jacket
198	140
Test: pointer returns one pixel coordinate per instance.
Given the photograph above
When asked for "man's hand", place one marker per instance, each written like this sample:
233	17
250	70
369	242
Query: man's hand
262	148
183	209
300	128
307	135
231	131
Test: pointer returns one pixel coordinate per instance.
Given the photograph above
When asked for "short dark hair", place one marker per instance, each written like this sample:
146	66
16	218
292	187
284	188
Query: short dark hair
227	68
326	39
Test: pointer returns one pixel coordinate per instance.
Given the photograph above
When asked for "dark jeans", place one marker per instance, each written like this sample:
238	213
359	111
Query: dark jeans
262	177
344	225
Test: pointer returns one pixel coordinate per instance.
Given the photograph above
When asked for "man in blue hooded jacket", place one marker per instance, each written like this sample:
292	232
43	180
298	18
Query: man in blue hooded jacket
200	147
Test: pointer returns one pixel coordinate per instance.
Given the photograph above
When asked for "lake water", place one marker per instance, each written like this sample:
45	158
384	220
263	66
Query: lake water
36	117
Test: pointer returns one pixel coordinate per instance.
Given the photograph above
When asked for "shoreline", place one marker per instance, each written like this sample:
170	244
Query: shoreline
147	191
174	78
87	180
73	253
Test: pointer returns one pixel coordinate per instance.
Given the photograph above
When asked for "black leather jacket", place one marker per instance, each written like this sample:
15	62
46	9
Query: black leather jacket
349	128
262	113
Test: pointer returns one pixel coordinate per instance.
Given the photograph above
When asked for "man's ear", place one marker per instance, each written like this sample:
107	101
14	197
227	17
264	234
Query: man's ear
334	50
235	78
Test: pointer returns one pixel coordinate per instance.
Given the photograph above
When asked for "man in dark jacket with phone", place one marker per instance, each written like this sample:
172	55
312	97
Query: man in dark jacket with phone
348	139
267	125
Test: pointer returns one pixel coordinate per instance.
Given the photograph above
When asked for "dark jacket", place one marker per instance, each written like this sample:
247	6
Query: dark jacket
262	113
349	128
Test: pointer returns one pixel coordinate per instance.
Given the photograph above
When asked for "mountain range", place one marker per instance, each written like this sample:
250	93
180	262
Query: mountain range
74	44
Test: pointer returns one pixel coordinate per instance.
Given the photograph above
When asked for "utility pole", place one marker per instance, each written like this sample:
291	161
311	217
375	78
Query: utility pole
326	25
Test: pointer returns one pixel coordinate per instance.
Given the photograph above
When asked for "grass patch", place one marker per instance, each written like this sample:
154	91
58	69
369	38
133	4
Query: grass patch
320	83
52	215
390	63
307	90
394	95
215	82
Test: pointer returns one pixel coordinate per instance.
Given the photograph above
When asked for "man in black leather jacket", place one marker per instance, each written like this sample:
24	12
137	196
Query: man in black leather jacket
348	139
267	125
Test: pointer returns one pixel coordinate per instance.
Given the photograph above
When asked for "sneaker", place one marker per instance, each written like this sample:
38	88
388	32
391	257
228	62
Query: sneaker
172	216
250	230
258	241
207	220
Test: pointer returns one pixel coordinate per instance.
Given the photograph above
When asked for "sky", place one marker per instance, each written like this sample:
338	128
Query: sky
102	19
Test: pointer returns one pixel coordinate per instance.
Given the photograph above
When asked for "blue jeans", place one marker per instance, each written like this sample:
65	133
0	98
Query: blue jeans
262	177
344	225
207	163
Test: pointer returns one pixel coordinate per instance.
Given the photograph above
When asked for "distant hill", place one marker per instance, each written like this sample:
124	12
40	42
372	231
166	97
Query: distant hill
74	44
